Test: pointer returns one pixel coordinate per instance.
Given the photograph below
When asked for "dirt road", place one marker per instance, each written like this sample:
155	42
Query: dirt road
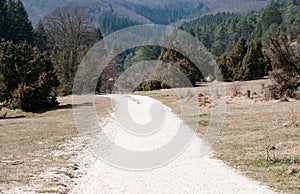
190	172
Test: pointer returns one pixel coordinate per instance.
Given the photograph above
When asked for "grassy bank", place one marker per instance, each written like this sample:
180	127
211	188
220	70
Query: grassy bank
32	143
254	130
260	139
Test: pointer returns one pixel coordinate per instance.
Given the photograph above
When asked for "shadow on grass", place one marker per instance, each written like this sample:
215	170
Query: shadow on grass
54	108
6	115
63	107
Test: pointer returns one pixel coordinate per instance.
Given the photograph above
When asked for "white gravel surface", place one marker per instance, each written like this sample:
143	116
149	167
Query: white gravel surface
189	173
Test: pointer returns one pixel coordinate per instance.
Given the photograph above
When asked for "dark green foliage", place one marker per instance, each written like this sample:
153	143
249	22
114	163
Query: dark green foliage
243	62
254	63
14	22
142	53
28	78
111	23
230	63
151	85
99	34
286	68
271	16
183	64
218	48
218	31
226	28
215	31
3	13
126	60
41	38
164	15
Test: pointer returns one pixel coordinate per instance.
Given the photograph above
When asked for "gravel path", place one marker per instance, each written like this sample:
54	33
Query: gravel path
188	173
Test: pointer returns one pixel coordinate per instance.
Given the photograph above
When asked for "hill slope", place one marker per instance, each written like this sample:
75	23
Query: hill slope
161	12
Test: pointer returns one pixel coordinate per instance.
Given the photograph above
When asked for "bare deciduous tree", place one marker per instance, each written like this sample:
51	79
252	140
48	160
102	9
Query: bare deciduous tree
70	34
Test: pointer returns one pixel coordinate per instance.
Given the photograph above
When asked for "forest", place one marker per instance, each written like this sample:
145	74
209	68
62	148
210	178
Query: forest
221	31
39	64
110	23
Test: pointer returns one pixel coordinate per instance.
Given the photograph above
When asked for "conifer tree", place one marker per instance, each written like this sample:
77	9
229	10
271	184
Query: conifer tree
286	68
41	38
2	17
184	64
28	78
243	62
236	56
271	15
254	63
18	26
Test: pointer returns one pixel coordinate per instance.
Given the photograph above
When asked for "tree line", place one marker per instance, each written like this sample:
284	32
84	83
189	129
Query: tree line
110	23
37	65
264	42
221	31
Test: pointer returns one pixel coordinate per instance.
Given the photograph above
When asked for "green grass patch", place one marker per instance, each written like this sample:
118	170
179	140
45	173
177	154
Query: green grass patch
277	162
199	116
202	123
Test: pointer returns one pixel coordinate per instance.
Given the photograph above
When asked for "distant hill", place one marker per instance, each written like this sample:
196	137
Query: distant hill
235	6
141	11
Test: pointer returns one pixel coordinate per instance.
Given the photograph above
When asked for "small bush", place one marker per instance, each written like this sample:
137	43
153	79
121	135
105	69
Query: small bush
151	85
236	89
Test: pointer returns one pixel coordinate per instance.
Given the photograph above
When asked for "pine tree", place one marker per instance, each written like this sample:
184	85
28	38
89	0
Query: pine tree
236	57
254	63
224	67
19	27
271	15
243	62
41	38
218	48
2	17
286	68
184	64
28	78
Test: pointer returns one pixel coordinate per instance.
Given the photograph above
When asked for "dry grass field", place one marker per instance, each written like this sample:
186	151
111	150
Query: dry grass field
36	149
254	129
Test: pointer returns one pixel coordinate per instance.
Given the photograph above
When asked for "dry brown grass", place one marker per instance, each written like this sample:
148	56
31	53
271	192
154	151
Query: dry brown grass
30	144
35	142
250	127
